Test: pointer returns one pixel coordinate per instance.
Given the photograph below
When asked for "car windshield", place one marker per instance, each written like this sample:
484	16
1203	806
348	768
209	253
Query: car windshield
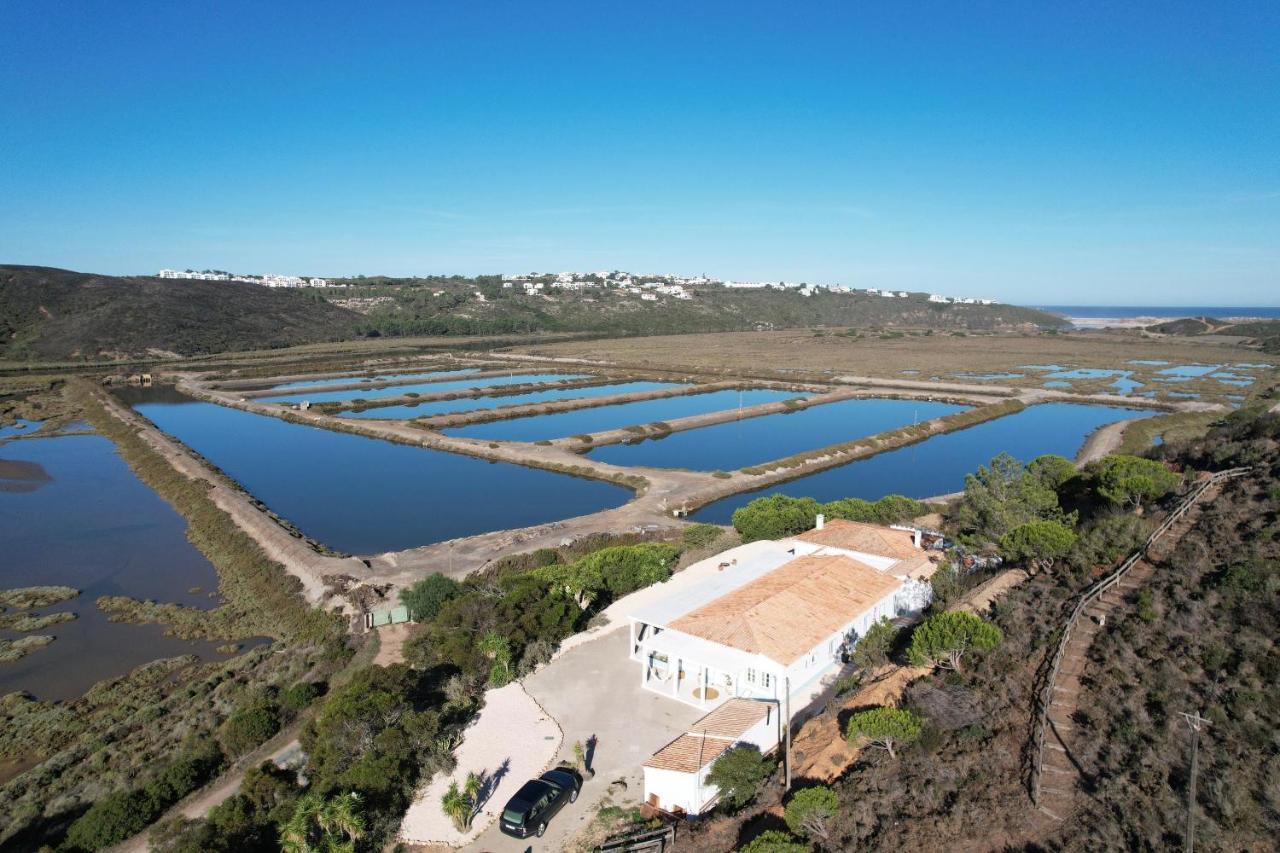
513	816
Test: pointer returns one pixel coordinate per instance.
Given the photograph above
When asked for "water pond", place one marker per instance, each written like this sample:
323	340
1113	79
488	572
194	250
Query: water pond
420	388
754	440
1189	370
617	416
381	377
938	466
987	377
73	514
467	404
363	495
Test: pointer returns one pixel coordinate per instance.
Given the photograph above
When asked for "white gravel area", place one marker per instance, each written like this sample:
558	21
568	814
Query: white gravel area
512	741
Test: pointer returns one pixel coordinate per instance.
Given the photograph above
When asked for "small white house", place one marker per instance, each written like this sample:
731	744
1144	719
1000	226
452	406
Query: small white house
675	778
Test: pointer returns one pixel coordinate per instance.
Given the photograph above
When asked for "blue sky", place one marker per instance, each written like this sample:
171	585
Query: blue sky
1108	153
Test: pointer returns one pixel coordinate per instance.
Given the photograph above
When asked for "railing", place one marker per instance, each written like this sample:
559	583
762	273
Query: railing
1045	697
648	841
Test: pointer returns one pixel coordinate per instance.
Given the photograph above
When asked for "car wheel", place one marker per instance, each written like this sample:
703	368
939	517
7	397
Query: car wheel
573	796
542	827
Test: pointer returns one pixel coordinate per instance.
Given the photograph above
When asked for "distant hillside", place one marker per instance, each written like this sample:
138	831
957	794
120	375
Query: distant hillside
1265	332
53	314
450	305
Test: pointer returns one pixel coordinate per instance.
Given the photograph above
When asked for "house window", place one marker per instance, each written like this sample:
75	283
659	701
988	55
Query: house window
765	680
751	676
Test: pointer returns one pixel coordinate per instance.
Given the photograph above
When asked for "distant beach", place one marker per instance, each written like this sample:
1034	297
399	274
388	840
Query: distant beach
1137	316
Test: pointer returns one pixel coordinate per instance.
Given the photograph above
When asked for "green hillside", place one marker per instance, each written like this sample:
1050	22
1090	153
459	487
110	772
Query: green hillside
53	314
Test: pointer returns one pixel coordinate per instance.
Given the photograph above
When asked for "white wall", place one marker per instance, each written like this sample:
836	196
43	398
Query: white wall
691	791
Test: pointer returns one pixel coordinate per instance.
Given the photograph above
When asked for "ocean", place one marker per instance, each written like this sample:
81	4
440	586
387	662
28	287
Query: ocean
1120	312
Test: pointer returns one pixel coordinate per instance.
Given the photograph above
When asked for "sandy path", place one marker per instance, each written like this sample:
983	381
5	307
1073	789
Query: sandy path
509	717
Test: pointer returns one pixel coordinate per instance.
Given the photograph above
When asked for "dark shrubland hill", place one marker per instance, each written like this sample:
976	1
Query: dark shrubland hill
53	314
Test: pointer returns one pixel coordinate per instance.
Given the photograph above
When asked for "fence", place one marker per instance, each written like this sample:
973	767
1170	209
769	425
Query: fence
1045	696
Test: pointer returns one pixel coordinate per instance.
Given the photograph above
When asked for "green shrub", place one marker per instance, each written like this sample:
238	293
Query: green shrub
111	820
700	535
297	696
774	841
246	729
738	774
425	598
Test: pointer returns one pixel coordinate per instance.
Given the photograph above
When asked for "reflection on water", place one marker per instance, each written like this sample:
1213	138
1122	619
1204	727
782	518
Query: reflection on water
90	524
364	495
421	388
467	404
618	415
754	440
938	465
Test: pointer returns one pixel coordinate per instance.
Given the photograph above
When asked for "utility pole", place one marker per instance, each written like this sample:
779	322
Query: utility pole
1195	721
786	722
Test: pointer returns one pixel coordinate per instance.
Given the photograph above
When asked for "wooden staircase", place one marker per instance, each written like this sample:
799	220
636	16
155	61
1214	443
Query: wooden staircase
1057	775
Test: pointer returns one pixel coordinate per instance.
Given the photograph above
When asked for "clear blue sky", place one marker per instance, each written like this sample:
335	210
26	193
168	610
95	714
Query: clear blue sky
1037	152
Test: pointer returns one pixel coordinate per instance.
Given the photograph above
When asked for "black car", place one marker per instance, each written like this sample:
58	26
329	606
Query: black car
531	809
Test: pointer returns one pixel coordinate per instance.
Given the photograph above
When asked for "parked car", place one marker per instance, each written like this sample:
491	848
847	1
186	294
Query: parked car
531	808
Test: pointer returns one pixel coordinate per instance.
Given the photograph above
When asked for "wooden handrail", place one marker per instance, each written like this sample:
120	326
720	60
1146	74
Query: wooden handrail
1045	695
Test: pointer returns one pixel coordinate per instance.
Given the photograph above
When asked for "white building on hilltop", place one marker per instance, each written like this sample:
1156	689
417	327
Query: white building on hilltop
783	618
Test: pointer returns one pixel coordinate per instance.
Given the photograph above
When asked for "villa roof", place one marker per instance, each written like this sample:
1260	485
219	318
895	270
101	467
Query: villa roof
710	737
689	753
788	611
866	538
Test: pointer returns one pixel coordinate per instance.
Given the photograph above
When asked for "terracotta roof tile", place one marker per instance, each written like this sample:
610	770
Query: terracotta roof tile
784	614
867	538
689	753
710	737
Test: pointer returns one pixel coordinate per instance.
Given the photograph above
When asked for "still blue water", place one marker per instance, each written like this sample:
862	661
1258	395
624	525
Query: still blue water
754	440
467	404
73	514
617	416
938	466
420	388
362	495
381	377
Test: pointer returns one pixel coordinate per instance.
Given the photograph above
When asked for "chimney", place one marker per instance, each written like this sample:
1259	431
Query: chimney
819	522
915	536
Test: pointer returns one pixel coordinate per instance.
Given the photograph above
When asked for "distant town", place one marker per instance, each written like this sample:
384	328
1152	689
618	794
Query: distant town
648	286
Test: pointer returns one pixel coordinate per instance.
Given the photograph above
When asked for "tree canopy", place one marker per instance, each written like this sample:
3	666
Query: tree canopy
887	728
872	649
945	638
1006	494
1037	540
738	775
779	516
1131	480
810	810
425	598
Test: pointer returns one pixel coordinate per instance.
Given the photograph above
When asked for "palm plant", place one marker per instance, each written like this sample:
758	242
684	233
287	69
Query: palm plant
320	825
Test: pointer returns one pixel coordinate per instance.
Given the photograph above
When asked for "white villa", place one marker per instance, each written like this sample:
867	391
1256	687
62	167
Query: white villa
782	618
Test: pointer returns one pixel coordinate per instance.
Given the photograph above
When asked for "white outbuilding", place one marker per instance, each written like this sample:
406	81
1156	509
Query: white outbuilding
675	778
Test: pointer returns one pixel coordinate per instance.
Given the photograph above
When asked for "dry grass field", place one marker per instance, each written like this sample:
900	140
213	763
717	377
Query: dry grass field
888	354
924	356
